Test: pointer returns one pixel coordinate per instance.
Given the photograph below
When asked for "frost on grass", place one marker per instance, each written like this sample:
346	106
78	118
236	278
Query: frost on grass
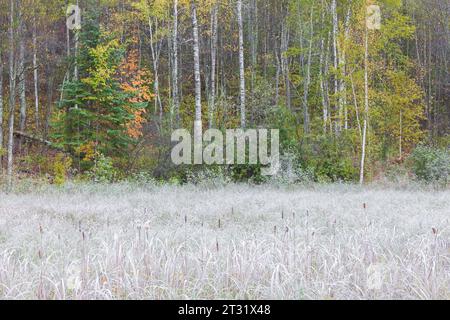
129	242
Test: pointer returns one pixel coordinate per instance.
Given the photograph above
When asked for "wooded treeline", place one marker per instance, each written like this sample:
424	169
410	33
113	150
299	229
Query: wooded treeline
110	94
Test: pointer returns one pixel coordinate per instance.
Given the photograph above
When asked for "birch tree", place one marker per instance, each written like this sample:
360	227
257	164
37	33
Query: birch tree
12	95
308	77
21	75
214	27
175	89
1	110
198	153
241	63
334	16
366	104
35	74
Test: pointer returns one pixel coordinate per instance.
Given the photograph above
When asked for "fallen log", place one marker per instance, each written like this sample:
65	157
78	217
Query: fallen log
38	140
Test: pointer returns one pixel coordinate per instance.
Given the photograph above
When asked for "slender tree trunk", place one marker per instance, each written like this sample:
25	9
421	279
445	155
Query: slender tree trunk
48	111
335	59
197	77
253	30
326	82
285	62
22	78
198	126
155	60
175	90
1	111
308	80
342	82
12	96
355	102
67	35
400	142
214	24
35	75
366	106
322	86
75	71
277	77
323	73
241	63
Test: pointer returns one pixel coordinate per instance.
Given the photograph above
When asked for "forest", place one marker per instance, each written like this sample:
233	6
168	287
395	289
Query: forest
354	93
99	99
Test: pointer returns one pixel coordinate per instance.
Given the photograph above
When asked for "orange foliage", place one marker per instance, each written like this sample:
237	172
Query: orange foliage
136	81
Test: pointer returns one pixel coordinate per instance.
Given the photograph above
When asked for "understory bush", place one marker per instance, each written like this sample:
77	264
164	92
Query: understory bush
431	164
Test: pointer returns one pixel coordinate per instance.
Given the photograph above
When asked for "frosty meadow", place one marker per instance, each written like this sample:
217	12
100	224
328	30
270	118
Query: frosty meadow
233	242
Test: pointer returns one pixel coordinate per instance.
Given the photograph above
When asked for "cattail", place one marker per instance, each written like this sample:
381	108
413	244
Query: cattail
220	224
282	214
217	245
41	230
275	229
364	206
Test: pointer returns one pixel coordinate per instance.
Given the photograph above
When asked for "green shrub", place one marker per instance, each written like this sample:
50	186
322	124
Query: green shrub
61	167
103	170
431	164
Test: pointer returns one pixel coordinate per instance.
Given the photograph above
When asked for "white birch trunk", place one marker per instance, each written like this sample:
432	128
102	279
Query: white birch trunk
175	90
198	89
308	79
366	106
1	111
21	79
214	26
12	97
241	63
155	61
35	75
335	57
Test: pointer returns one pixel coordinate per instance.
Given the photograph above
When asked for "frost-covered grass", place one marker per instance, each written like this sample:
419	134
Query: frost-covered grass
246	242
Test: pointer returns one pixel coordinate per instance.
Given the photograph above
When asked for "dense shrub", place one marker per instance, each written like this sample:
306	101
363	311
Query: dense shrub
61	167
103	170
431	164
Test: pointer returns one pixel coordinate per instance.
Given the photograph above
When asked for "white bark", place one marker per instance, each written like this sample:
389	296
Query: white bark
197	77
343	114
12	96
214	26
156	52
1	110
175	90
335	54
35	75
285	62
366	106
21	78
308	79
355	102
241	63
198	153
75	72
277	77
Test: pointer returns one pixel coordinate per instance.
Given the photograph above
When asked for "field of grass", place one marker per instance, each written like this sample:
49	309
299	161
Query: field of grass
245	242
